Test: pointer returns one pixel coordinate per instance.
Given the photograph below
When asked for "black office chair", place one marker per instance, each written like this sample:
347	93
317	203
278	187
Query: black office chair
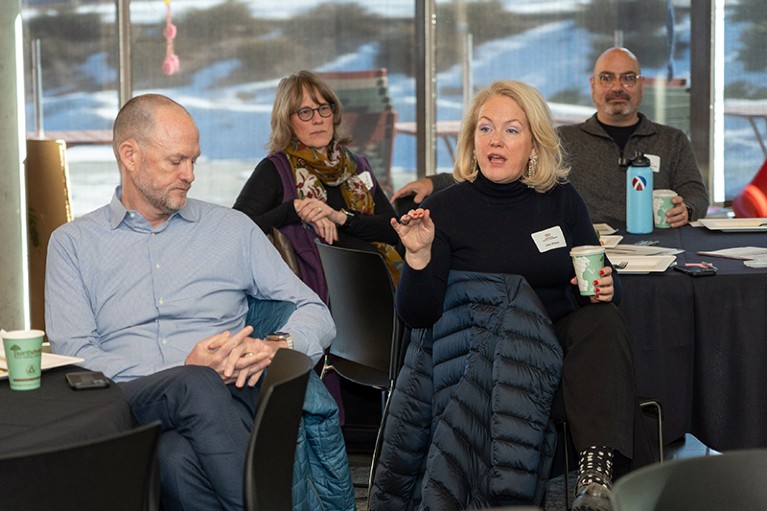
734	480
272	447
366	349
116	473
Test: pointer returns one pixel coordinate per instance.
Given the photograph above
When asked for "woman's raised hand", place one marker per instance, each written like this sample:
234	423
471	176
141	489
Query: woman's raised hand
416	230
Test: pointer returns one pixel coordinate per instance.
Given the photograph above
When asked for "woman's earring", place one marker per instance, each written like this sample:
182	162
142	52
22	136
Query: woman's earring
532	166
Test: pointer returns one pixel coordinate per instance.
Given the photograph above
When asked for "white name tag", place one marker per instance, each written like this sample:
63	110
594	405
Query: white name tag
549	239
654	162
366	179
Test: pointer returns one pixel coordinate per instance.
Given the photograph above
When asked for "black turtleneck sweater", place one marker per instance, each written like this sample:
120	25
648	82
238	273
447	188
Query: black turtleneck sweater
487	227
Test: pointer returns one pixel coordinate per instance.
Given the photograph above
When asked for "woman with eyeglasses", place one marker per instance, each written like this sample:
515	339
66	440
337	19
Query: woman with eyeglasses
311	186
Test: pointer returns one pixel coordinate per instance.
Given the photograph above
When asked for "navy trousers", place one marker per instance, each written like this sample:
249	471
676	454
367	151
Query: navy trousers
206	428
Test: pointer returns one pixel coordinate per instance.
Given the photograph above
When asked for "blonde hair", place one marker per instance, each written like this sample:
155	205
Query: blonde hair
551	168
288	98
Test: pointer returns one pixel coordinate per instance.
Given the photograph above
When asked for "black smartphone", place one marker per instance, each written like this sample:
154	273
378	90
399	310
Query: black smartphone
83	380
697	271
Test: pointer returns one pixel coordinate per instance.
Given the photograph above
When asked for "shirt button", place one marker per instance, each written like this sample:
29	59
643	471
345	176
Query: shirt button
165	341
161	301
133	215
157	266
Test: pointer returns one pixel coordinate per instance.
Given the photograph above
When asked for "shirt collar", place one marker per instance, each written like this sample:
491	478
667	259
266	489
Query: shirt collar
118	213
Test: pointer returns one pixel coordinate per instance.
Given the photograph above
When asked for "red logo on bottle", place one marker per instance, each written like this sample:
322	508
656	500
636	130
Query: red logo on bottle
639	183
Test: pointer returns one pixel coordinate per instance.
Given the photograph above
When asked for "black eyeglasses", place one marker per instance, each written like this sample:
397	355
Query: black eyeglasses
628	80
307	114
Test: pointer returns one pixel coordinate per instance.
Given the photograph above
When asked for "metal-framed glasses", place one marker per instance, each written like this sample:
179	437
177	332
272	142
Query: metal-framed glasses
307	114
628	80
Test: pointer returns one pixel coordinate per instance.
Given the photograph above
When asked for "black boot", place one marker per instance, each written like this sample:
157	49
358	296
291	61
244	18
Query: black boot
592	490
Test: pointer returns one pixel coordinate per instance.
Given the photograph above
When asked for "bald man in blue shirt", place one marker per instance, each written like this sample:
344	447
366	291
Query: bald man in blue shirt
153	290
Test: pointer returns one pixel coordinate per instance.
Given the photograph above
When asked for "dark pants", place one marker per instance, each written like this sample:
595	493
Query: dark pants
206	428
598	388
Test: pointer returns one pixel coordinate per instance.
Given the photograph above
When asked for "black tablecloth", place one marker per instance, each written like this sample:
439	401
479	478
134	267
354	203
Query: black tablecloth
55	415
700	343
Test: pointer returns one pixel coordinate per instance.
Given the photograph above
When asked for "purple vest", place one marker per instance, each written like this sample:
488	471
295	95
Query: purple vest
300	235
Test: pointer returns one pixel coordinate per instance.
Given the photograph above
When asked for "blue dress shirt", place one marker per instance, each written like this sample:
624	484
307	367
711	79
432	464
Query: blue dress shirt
132	299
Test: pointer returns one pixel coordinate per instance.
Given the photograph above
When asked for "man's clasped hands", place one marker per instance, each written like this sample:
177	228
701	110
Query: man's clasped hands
237	358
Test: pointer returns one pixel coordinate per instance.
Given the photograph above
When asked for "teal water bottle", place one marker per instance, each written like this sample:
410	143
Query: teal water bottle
639	186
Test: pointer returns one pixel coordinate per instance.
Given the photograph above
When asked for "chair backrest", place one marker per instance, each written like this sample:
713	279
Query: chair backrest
733	480
116	473
272	447
368	117
361	300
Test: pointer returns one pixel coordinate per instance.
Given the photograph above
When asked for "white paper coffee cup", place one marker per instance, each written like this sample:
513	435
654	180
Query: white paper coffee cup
588	260
661	203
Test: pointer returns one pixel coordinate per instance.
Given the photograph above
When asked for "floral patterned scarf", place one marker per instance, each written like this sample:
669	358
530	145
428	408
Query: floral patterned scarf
312	171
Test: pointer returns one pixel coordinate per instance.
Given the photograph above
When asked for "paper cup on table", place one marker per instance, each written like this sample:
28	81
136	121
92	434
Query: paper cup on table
587	261
661	202
23	350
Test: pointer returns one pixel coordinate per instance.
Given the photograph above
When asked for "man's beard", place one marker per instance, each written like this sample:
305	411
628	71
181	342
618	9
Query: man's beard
163	200
625	108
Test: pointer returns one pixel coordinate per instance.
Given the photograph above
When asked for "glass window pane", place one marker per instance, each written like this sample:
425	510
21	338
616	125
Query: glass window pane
232	54
78	94
553	45
745	92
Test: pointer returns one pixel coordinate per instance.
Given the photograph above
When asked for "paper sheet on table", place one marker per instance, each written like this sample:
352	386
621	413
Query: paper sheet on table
641	250
48	361
745	253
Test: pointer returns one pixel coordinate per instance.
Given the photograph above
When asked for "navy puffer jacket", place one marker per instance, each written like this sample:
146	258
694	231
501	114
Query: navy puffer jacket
469	420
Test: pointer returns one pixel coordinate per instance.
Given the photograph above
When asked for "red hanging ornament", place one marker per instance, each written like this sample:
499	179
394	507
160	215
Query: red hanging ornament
171	64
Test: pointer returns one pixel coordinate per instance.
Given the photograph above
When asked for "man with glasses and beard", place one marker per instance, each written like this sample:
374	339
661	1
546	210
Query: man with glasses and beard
618	130
594	149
